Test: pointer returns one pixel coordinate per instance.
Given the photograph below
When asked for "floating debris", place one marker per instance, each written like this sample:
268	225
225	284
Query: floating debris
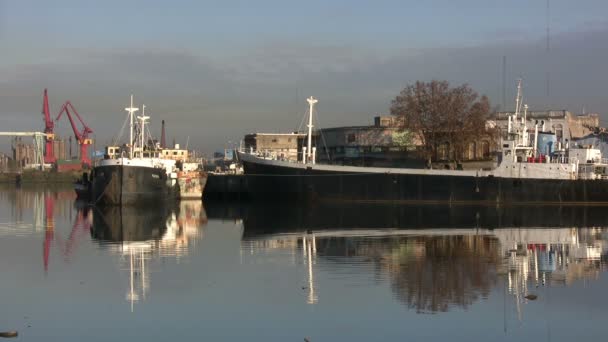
531	297
13	333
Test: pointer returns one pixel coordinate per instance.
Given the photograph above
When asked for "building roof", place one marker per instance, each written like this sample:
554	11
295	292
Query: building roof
274	134
537	114
357	128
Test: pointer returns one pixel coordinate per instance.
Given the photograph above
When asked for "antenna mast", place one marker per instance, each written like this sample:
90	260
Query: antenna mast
504	82
518	99
547	49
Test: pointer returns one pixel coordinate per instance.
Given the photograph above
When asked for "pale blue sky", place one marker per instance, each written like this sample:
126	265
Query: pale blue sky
219	69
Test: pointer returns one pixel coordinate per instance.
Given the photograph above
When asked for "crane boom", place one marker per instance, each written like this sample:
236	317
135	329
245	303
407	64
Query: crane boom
82	137
49	155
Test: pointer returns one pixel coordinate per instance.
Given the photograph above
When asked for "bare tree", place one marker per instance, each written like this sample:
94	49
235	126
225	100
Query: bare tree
439	114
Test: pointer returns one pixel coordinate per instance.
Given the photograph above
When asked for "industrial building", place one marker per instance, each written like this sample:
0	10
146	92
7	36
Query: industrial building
381	145
23	152
375	145
565	125
281	146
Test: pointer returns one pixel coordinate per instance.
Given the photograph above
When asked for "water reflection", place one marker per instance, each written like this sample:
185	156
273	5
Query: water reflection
66	246
139	235
460	256
33	210
551	257
326	265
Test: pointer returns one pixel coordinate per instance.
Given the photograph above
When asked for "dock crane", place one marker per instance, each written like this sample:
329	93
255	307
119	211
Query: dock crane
49	155
82	137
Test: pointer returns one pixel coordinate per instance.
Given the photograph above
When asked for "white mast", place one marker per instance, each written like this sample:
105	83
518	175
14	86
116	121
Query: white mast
518	99
143	119
525	137
311	101
131	110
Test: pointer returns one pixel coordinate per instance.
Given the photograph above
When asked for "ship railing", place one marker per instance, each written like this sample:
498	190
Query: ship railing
592	171
564	160
551	160
592	175
268	154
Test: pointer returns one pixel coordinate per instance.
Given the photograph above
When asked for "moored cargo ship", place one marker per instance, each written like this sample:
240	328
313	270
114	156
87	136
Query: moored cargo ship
569	175
141	173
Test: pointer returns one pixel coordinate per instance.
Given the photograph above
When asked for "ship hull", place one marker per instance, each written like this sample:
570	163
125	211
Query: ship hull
191	185
131	185
266	180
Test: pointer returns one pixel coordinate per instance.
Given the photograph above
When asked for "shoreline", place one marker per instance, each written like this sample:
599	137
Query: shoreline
39	177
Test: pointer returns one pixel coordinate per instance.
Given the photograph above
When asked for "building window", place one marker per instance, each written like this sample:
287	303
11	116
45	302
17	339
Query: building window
559	132
350	138
443	151
472	151
485	146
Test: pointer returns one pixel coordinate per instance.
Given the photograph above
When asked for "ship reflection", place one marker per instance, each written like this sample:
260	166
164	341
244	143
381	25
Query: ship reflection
141	235
437	258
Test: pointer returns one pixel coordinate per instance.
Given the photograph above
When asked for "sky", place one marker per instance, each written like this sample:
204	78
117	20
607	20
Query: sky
216	70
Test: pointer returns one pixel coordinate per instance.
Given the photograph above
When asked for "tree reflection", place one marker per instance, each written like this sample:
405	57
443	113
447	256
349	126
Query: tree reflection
429	273
433	273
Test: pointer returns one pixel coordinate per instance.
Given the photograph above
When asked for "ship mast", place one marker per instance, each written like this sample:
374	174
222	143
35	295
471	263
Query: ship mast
311	101
143	119
131	110
518	99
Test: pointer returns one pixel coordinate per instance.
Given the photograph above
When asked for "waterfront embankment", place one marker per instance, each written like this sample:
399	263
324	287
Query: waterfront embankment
39	177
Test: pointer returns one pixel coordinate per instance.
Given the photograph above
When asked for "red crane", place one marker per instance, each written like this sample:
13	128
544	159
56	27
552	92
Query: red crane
82	137
49	155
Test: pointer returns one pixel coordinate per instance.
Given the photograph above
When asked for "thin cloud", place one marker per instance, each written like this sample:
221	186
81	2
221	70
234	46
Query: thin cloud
213	99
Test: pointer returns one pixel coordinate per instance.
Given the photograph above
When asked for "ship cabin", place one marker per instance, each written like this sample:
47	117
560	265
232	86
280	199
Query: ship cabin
114	152
174	153
582	162
591	165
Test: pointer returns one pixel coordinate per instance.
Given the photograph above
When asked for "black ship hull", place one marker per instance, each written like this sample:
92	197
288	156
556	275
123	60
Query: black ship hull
131	185
266	181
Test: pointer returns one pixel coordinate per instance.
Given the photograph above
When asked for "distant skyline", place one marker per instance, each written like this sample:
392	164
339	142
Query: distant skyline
215	70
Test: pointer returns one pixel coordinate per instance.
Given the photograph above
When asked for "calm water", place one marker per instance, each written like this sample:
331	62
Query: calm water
281	273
